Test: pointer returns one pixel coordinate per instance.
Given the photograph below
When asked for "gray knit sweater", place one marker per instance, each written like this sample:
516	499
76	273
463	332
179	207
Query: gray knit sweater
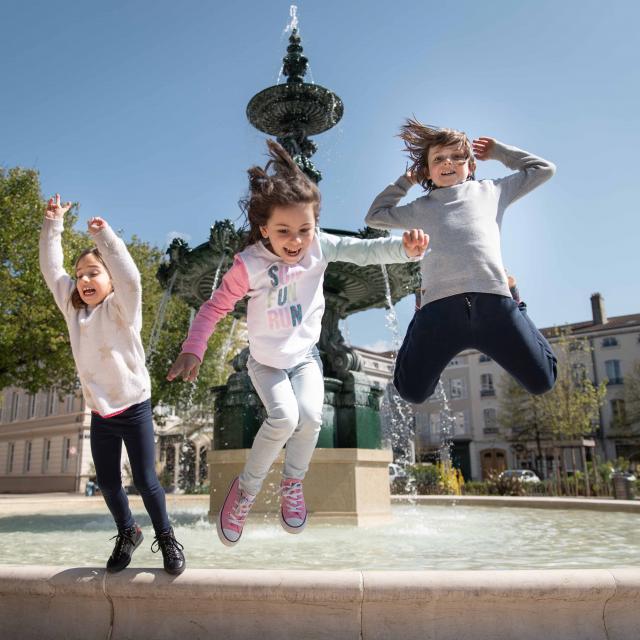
463	222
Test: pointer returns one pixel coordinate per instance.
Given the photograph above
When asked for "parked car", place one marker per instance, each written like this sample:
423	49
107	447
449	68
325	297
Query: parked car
396	472
629	475
523	475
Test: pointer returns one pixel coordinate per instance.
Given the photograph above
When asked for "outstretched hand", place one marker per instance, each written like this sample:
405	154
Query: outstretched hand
95	225
186	366
483	148
55	210
415	242
411	176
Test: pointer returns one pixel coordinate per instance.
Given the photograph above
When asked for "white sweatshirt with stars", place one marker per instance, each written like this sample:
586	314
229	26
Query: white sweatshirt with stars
105	338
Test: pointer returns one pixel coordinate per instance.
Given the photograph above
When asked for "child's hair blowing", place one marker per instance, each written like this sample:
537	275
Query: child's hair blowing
286	185
76	300
419	138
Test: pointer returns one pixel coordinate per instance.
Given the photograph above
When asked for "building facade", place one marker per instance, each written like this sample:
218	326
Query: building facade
44	440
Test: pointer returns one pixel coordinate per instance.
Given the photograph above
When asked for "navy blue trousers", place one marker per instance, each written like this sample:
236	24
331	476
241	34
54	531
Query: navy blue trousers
493	324
134	427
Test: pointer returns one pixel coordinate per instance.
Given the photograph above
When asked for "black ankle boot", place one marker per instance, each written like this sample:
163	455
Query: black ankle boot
174	562
127	541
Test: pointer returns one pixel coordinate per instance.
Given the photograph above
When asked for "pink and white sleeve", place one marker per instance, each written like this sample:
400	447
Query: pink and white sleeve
234	286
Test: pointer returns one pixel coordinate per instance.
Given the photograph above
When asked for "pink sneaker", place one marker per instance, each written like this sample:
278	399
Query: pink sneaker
233	514
293	511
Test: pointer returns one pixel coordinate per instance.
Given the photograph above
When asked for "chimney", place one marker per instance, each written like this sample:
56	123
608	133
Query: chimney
597	309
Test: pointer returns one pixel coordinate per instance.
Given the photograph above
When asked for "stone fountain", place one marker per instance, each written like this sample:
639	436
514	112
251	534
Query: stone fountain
348	476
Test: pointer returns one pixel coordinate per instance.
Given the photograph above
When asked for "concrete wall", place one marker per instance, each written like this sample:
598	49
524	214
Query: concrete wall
58	603
38	484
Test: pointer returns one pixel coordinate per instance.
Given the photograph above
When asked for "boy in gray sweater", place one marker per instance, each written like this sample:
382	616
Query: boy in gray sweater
465	298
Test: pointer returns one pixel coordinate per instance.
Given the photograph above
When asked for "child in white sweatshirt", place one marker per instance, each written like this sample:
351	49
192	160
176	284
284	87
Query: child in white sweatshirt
102	306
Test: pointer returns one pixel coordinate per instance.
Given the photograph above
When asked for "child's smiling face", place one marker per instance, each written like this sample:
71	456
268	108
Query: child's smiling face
92	280
448	165
290	231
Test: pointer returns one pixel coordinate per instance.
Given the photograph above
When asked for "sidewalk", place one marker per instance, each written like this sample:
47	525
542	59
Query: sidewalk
14	504
525	502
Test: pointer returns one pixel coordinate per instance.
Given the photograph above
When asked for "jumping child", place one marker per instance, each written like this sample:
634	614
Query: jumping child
282	270
466	299
103	311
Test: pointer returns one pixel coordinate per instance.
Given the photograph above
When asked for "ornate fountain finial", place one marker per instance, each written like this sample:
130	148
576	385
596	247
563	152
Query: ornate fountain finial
294	64
296	109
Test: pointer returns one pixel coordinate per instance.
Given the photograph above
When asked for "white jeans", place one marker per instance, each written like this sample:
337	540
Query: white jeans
293	399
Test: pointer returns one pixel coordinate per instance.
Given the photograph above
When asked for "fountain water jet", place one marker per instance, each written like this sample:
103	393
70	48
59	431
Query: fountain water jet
398	415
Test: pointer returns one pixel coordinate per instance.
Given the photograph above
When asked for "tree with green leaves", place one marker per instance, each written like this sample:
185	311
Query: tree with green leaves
569	411
173	333
519	417
34	345
632	395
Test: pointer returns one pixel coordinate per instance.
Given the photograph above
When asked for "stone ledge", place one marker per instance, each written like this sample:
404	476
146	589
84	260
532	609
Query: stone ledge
57	602
527	502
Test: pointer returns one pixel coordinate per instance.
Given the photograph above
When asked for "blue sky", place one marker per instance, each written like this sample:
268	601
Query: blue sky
137	111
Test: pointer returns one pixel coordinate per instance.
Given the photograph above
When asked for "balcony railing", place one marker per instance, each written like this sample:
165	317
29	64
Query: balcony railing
485	393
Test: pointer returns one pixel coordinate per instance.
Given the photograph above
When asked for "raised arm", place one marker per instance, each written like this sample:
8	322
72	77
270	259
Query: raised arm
234	286
125	277
531	171
409	248
51	256
384	212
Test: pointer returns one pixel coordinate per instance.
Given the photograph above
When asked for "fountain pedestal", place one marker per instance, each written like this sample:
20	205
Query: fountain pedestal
350	413
346	486
348	478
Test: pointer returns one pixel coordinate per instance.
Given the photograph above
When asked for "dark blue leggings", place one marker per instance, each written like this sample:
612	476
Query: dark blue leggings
134	427
493	324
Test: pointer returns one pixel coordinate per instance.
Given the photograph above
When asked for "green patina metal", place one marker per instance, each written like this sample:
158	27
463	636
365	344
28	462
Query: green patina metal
296	109
351	409
351	417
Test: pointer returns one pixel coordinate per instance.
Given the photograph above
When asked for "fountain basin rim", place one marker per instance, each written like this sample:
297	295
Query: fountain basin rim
277	581
563	604
288	97
524	502
51	503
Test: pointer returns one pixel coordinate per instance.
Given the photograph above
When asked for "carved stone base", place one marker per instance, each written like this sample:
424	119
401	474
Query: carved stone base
349	486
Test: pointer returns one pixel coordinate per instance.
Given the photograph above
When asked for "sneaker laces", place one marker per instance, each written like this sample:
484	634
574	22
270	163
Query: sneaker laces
121	537
293	498
240	510
169	544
